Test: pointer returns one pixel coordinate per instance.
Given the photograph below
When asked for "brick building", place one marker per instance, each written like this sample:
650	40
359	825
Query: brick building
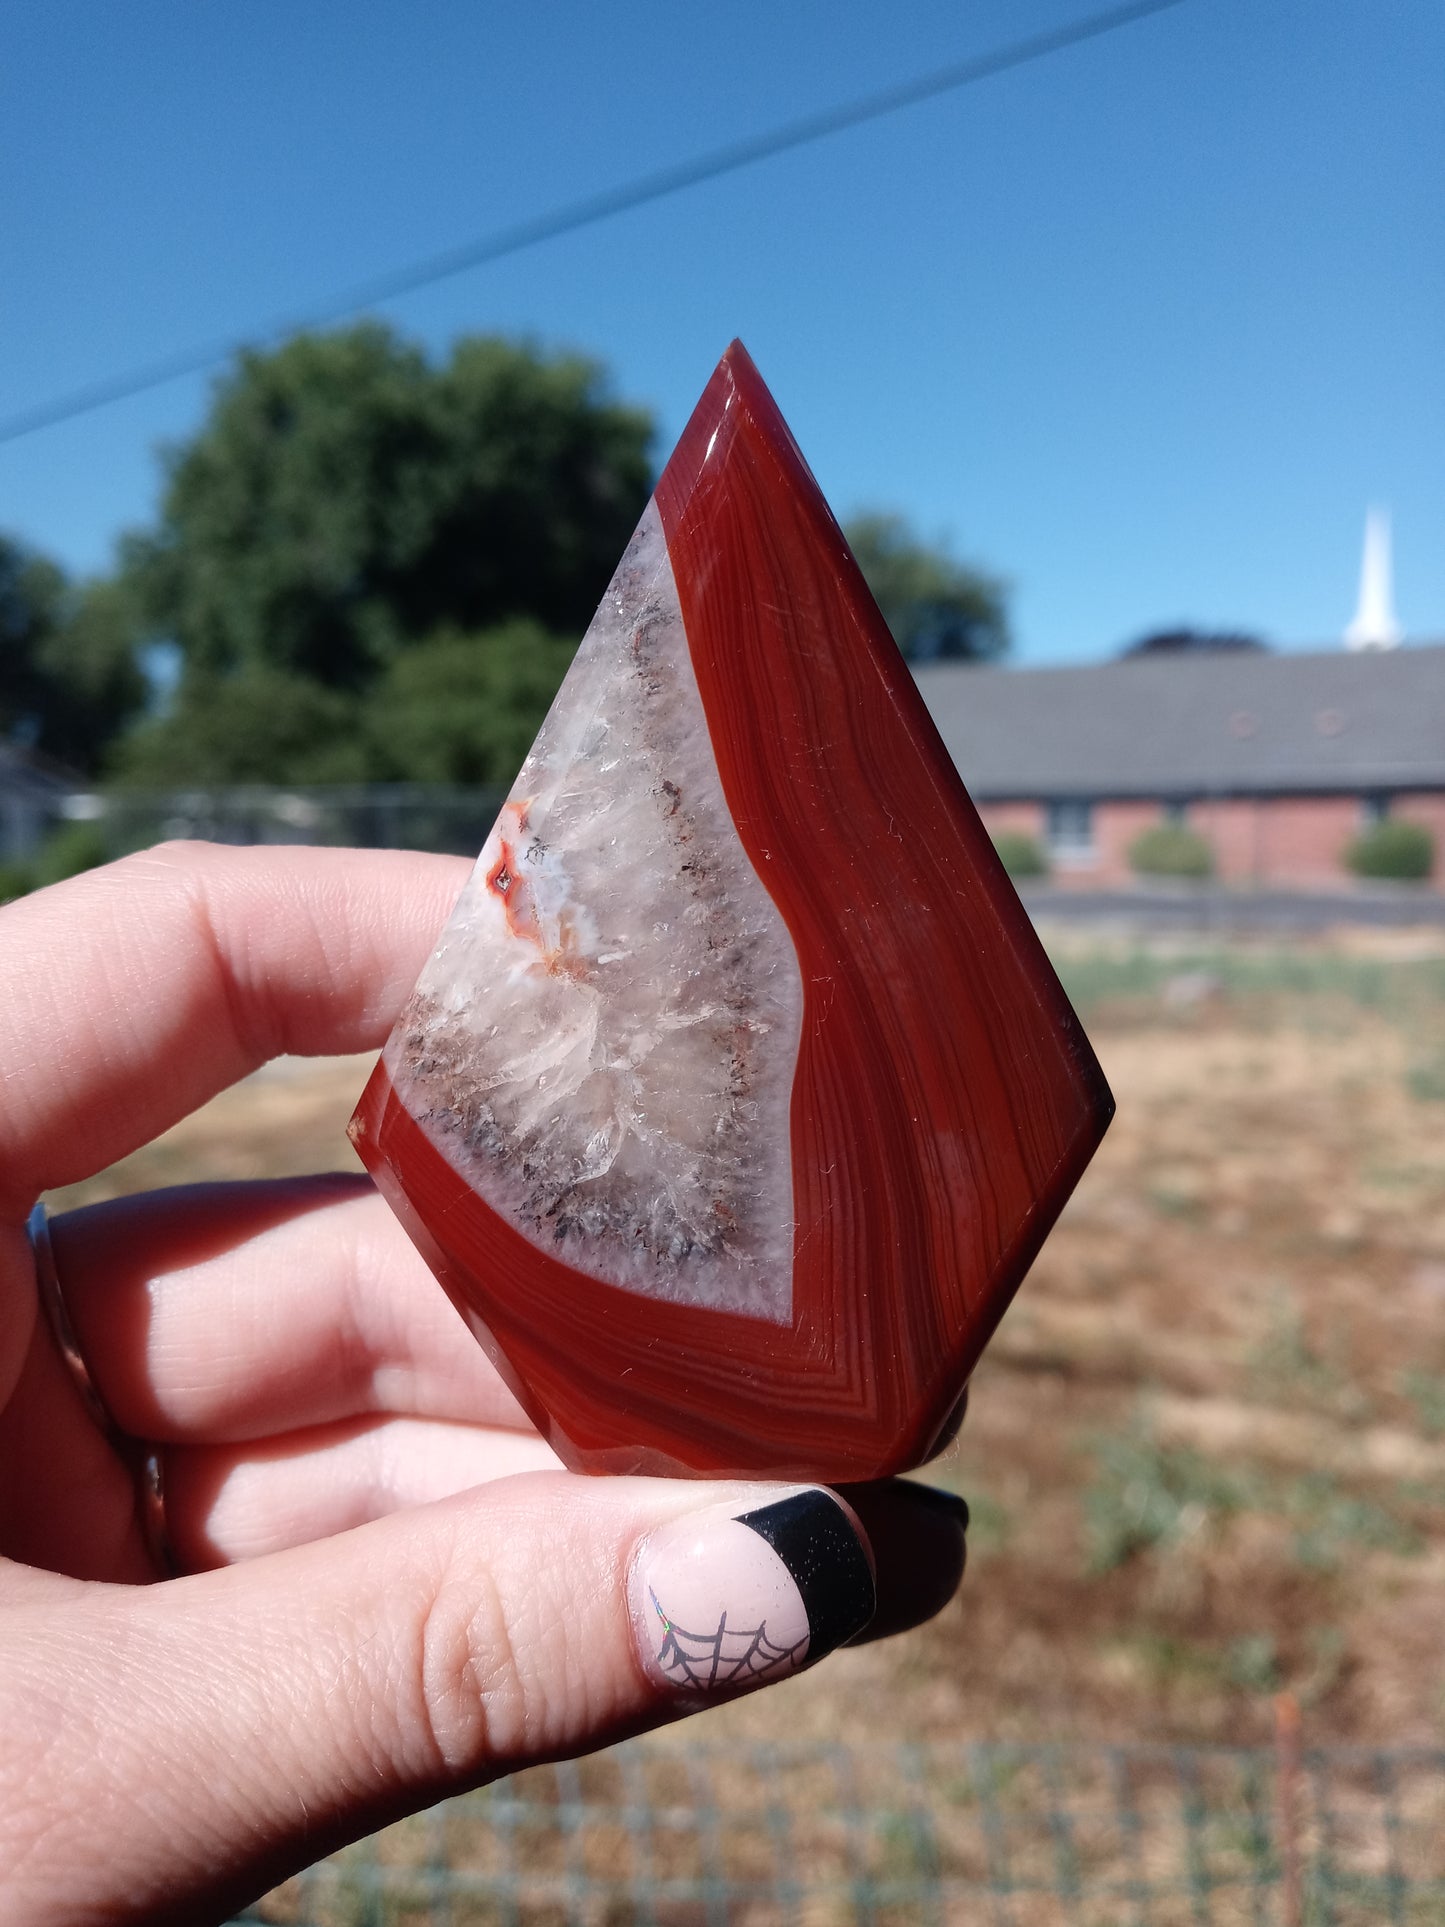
1278	760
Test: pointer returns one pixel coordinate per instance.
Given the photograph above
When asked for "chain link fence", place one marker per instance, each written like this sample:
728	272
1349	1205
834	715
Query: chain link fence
457	819
385	816
677	1835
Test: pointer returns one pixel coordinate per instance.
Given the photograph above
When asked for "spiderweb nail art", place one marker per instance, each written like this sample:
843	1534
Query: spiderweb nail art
727	1656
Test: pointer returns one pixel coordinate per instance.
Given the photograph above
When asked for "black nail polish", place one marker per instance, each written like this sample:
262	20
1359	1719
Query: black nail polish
820	1546
937	1500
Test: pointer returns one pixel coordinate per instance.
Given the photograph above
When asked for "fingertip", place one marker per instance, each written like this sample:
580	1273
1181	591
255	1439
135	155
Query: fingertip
742	1592
950	1430
919	1538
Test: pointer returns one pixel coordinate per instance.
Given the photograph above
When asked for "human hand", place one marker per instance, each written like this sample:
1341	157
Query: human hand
392	1590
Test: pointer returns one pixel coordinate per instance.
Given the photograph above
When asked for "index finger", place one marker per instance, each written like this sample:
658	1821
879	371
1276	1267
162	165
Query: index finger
139	990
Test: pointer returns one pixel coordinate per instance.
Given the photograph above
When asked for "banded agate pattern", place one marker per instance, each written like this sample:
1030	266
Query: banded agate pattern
734	1169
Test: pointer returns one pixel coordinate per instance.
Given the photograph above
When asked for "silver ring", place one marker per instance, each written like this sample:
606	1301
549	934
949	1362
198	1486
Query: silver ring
143	1461
150	1492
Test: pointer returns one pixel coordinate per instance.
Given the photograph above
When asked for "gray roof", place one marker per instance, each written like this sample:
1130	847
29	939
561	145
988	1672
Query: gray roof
1226	724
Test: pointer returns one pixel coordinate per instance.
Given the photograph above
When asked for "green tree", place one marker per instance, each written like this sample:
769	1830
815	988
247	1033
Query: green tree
257	725
465	708
69	677
937	607
32	596
1187	641
347	499
94	681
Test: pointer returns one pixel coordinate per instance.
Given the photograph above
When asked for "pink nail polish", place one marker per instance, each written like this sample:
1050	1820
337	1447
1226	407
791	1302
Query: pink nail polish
736	1596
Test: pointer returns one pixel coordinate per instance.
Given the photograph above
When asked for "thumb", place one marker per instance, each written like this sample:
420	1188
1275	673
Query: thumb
182	1747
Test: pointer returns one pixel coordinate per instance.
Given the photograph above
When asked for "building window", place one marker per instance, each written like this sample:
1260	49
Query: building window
1071	829
1374	808
1176	810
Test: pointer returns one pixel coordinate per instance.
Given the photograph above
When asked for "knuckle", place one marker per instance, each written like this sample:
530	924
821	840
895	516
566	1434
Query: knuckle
473	1687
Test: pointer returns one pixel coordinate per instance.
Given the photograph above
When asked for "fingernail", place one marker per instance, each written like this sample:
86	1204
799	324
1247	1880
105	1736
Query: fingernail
734	1597
937	1499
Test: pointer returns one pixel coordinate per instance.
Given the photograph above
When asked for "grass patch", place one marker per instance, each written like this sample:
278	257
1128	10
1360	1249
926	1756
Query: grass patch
1425	1078
1426	1393
1147	1498
1252	1663
1170	1202
997	1776
990	1528
1247	1665
1401	991
906	1850
1284	1357
1331	1523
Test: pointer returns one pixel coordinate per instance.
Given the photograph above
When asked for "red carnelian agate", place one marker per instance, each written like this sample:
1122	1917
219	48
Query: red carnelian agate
740	1094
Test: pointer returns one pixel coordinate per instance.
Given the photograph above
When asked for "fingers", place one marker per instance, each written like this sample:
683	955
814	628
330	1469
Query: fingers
328	1316
67	1502
135	992
952	1426
189	1744
228	1503
327	1309
917	1534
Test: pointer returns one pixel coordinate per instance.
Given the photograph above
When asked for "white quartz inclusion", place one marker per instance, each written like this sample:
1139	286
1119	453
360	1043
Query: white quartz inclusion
603	1042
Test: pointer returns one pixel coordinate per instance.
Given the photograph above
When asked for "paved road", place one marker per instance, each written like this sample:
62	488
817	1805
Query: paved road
1225	911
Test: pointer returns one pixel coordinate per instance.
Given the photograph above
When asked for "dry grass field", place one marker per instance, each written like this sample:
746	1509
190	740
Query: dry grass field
1206	1452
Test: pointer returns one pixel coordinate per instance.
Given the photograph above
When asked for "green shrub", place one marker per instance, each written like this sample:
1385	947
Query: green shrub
1021	854
1146	1495
1147	1498
69	849
1171	850
17	879
1404	852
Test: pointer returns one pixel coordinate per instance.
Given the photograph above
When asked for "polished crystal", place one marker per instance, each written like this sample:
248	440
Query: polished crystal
739	1093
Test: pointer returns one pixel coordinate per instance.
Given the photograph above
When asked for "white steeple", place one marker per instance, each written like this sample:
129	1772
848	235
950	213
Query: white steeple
1374	626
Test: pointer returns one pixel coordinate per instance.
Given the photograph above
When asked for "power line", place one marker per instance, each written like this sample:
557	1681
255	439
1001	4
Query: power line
586	212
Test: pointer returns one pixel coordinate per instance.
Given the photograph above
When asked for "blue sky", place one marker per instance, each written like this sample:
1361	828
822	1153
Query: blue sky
1143	326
